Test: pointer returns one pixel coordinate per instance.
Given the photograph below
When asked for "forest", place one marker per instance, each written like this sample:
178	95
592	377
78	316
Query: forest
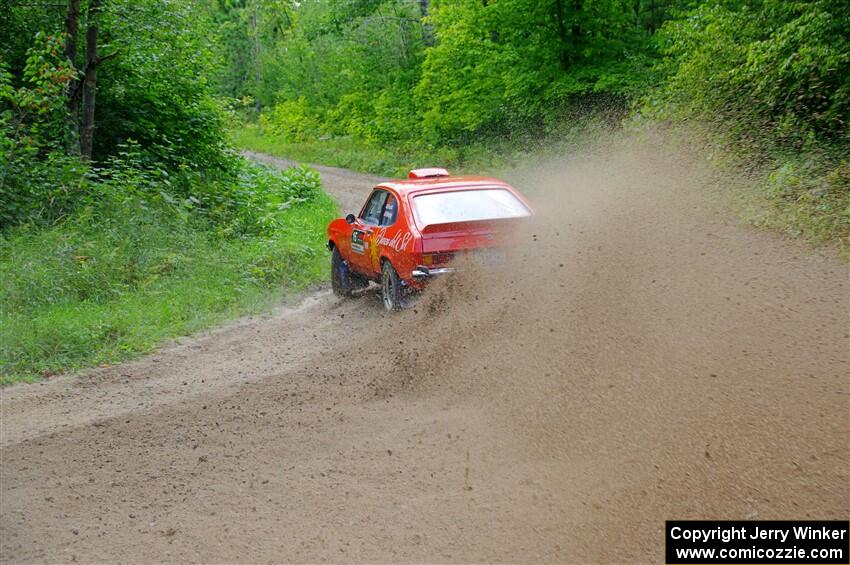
128	214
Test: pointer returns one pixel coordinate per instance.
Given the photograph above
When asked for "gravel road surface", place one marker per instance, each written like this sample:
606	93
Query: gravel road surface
648	358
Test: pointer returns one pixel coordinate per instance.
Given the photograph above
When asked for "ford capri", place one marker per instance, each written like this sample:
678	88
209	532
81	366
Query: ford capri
411	231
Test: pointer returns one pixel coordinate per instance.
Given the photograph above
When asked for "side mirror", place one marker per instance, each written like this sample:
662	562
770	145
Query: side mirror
350	219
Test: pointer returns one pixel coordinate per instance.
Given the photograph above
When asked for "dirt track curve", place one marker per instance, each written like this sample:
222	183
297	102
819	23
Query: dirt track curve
647	359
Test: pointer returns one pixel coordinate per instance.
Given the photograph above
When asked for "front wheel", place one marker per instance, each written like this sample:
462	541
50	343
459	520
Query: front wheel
395	296
340	276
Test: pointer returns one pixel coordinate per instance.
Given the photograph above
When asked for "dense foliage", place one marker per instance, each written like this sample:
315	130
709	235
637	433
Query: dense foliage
151	93
159	126
446	71
37	178
773	63
393	71
156	90
152	227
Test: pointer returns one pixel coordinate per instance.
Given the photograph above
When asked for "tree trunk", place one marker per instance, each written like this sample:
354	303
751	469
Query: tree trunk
89	83
653	17
257	74
636	10
562	34
427	32
72	28
576	31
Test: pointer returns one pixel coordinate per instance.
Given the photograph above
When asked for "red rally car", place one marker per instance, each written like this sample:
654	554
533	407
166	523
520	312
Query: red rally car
409	231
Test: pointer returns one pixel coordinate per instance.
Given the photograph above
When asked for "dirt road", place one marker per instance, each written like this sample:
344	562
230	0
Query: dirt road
652	359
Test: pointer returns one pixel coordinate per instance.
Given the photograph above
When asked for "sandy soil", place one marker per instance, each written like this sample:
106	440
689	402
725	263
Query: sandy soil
647	358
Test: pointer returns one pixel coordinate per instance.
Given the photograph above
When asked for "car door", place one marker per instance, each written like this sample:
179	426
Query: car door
392	237
364	231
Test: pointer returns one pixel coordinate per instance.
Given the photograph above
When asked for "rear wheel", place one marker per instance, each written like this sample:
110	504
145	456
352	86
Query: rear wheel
340	275
394	294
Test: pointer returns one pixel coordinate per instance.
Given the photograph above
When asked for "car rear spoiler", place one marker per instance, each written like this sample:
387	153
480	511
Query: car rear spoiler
471	226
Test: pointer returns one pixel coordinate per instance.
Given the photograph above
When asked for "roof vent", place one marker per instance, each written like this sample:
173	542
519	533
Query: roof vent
427	173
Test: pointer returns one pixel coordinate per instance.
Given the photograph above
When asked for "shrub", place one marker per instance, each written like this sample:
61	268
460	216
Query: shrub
253	201
155	91
781	69
115	279
292	120
134	264
38	182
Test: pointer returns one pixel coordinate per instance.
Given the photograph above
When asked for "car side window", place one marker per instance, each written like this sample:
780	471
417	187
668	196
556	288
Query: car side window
390	211
374	208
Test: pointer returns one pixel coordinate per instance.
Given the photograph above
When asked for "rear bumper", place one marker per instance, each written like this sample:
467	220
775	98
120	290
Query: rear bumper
422	273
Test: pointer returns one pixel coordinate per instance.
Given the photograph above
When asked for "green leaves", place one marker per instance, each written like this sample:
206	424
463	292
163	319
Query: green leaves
254	200
775	64
363	69
292	120
157	91
37	180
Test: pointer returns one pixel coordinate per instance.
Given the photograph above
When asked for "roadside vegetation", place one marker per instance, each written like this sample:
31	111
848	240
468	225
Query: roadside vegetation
385	85
130	269
132	220
396	160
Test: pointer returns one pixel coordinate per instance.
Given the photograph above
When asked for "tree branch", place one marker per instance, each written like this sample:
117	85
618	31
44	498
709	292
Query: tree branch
105	58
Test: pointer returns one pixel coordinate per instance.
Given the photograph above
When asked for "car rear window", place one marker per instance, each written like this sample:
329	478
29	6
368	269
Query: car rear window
467	206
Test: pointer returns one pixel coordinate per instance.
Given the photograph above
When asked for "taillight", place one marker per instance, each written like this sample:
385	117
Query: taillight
433	259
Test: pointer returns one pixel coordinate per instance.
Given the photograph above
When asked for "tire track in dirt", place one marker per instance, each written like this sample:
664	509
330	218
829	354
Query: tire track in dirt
648	359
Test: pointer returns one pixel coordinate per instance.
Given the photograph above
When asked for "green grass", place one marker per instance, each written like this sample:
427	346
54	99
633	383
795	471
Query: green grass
114	282
388	161
805	195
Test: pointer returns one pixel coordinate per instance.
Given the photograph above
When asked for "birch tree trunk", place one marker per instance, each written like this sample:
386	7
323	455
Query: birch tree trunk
90	82
72	28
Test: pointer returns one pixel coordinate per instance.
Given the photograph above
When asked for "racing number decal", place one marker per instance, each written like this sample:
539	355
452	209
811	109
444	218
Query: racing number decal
358	243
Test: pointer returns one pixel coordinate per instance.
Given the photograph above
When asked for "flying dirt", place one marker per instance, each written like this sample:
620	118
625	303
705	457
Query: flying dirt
646	358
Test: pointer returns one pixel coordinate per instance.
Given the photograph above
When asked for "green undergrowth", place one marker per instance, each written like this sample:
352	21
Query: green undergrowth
382	160
806	195
117	278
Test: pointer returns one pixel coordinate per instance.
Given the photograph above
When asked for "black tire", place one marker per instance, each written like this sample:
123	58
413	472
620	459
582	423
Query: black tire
340	276
390	288
393	294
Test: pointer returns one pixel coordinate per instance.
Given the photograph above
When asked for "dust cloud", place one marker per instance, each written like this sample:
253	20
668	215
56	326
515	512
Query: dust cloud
651	358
